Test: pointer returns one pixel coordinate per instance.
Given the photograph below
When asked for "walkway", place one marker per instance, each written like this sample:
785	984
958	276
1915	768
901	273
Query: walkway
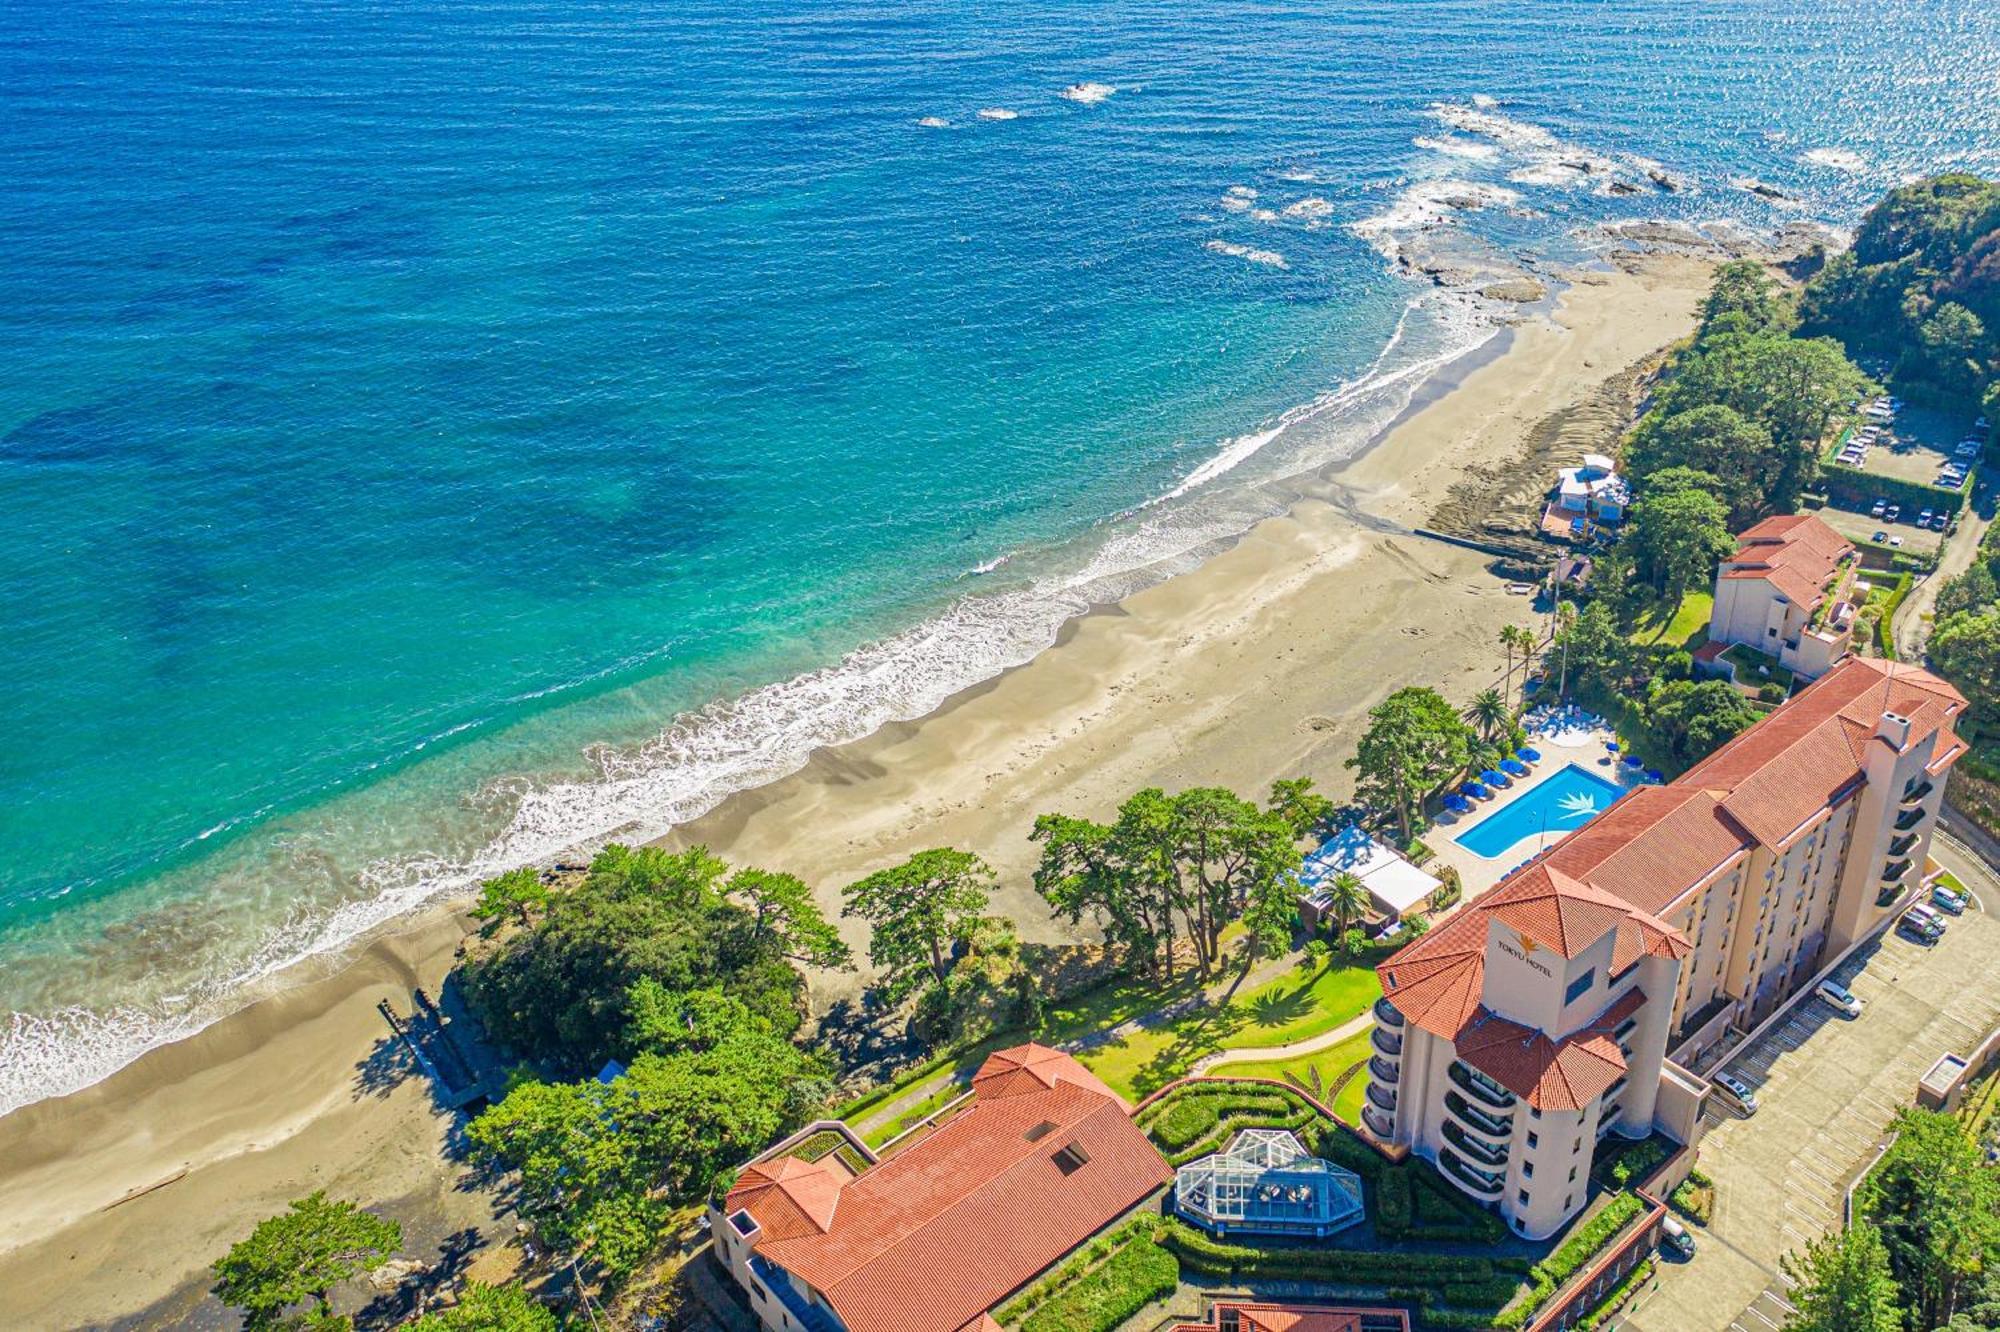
1258	1054
1911	630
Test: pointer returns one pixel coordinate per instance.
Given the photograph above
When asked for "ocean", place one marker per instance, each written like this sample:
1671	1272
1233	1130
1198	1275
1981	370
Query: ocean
435	437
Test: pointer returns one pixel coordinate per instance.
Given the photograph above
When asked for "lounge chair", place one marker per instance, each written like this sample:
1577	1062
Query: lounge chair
1499	779
1528	755
1514	767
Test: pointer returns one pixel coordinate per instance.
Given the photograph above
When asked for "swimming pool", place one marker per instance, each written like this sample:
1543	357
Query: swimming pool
1566	801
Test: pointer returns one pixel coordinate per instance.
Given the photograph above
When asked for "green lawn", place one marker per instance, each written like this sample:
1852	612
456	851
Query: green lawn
1687	627
1754	668
1331	1063
1291	1008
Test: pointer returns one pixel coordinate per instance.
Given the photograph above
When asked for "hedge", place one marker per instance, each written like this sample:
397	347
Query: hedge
1885	636
1360	1267
1864	488
1584	1244
1099	1301
1633	1163
1075	1267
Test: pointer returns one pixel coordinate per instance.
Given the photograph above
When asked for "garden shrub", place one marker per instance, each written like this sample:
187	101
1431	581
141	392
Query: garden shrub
1620	1293
1076	1266
1136	1275
1633	1163
1584	1244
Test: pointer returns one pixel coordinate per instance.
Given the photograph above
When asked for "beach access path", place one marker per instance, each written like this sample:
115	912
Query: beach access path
1261	663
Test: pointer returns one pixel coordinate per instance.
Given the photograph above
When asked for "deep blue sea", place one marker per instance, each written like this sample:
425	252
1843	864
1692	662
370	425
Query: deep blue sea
435	436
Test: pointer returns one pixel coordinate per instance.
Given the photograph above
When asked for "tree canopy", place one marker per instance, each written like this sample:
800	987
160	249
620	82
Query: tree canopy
602	1163
1965	648
299	1255
917	911
1415	742
557	991
1696	717
1676	537
1937	1204
483	1308
1175	869
1842	1283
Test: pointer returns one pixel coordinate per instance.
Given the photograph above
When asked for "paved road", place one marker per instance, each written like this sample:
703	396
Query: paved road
1910	629
1827	1087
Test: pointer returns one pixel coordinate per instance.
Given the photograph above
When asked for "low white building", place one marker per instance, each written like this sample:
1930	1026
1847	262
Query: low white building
1593	490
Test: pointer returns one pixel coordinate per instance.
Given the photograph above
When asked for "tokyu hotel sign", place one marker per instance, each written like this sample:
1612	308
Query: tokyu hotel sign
1523	953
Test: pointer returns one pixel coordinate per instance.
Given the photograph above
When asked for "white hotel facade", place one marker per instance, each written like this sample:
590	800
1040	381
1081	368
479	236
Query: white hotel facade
1555	1009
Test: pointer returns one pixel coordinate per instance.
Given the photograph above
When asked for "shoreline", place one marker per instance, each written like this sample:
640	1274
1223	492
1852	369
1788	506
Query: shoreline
1256	664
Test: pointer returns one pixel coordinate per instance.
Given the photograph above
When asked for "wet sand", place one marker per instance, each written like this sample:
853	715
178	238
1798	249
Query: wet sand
1260	664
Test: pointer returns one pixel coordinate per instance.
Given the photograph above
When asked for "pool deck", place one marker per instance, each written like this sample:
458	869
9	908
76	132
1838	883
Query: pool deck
1475	871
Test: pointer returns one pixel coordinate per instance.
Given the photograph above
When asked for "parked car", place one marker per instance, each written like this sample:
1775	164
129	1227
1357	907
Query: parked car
1924	518
1738	1091
1893	512
1947	900
1895	541
1879	538
1839	999
1924	929
1675	1236
1923	910
1941	522
1876	509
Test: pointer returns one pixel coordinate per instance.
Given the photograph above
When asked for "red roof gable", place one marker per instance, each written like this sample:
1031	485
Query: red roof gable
1798	554
939	1233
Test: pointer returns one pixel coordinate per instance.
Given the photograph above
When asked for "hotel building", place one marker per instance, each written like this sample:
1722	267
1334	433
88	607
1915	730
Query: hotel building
1557	1007
1787	592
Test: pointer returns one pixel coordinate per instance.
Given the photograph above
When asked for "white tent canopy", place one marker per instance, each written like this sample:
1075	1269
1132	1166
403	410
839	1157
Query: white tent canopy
1394	884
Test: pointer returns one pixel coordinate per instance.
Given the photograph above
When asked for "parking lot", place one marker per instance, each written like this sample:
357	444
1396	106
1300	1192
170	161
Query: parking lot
1826	1087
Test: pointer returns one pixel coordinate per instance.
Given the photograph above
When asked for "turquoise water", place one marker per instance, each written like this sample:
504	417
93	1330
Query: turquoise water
437	436
1565	801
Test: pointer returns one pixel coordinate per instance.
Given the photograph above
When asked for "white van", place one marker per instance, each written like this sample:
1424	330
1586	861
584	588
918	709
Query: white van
1738	1091
1839	999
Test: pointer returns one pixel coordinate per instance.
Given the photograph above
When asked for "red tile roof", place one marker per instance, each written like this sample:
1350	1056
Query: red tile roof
1294	1318
944	1230
1438	981
1550	1075
1627	867
1796	553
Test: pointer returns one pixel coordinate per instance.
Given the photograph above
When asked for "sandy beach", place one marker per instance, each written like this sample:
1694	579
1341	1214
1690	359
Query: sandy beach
1260	664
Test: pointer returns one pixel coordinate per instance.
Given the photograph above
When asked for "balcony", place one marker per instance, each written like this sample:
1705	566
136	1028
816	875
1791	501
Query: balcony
1913	795
1383	1098
1381	1070
1484	1153
805	1314
1387	1014
1909	819
1387	1042
1470	1178
1381	1125
1894	871
1493	1126
1901	845
1481	1087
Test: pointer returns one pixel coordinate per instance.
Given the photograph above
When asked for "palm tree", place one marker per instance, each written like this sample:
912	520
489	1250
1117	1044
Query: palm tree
1507	645
1346	898
1489	712
1523	640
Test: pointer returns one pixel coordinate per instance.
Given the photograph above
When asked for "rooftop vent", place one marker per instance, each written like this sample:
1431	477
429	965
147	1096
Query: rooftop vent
1040	1131
1071	1158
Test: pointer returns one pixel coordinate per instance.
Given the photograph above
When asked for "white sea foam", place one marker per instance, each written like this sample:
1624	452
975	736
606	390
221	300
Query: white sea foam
1484	101
1263	215
1309	209
1838	159
1090	94
1427	203
1547	160
998	113
1453	146
1247	253
640	792
935	122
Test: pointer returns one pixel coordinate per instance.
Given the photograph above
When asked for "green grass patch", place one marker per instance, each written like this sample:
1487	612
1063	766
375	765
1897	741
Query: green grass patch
1584	1243
1329	1063
1753	668
1684	626
1293	1007
1100	1286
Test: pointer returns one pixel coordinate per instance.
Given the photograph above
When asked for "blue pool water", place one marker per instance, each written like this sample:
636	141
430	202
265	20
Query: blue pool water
436	436
1565	802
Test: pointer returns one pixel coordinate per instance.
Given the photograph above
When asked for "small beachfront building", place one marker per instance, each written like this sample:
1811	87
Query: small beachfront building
1266	1183
1394	885
935	1235
1238	1315
1593	490
1788	593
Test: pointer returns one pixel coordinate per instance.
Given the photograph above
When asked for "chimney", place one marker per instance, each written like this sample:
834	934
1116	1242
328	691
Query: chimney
1895	729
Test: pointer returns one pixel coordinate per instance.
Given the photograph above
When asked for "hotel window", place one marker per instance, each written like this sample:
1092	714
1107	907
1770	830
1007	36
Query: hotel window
1580	986
1534	1140
1527	1170
1572	1174
1524	1197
